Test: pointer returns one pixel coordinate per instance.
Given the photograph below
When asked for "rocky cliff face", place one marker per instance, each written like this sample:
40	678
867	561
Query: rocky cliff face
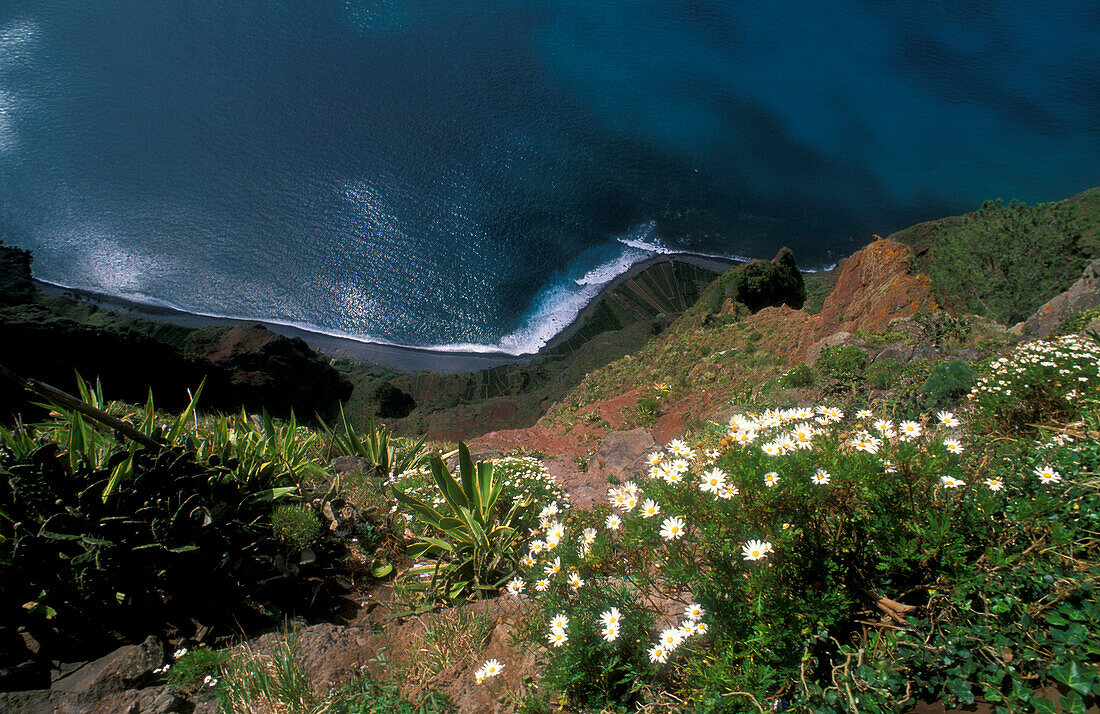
1082	295
16	283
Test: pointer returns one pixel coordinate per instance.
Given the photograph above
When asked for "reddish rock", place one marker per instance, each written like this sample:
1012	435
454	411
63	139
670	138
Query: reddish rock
1082	295
875	286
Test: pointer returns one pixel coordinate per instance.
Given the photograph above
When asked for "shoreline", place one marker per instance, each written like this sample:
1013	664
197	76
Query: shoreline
398	357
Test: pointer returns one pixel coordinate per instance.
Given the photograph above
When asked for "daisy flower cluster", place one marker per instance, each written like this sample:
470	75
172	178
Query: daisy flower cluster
671	638
610	627
1067	367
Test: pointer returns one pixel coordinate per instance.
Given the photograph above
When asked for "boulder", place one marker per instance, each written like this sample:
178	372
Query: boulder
36	701
834	340
1082	295
151	700
623	453
129	667
899	352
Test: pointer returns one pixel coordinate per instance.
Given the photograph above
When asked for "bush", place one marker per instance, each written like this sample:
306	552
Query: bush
1078	322
792	534
197	668
467	541
295	525
587	666
521	478
842	367
758	284
885	373
948	382
1038	382
798	377
278	682
176	539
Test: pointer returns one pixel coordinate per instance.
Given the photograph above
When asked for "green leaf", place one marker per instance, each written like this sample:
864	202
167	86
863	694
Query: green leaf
272	494
1043	706
1070	675
1073	703
181	421
1056	618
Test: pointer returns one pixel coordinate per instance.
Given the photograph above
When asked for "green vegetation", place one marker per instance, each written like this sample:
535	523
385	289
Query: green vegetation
470	545
758	284
799	376
863	556
197	668
295	525
834	559
842	368
885	373
389	456
255	681
948	382
1004	261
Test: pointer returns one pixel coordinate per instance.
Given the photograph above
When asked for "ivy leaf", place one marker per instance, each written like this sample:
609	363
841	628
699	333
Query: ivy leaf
1070	675
1055	618
1043	706
1073	703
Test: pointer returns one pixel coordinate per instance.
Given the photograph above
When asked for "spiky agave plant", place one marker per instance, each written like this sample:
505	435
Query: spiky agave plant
390	455
469	550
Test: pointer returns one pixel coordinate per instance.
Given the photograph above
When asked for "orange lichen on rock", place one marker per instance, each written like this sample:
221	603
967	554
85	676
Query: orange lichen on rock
875	286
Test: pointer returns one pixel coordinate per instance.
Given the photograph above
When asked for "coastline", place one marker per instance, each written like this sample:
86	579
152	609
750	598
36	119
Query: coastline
398	357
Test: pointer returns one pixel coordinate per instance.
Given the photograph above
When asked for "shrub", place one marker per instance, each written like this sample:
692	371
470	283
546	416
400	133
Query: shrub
371	694
295	525
648	409
942	328
788	536
758	284
1078	322
885	373
1039	381
466	547
274	682
589	666
196	668
842	367
175	539
521	478
798	377
948	382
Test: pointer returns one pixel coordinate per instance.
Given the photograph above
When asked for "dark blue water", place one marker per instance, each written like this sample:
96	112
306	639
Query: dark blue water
469	174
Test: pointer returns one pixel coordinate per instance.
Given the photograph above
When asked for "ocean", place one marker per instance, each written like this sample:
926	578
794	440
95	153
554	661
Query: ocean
466	176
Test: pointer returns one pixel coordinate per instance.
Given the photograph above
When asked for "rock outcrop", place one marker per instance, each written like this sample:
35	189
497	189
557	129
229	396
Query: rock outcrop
1082	295
268	370
758	284
875	286
16	283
